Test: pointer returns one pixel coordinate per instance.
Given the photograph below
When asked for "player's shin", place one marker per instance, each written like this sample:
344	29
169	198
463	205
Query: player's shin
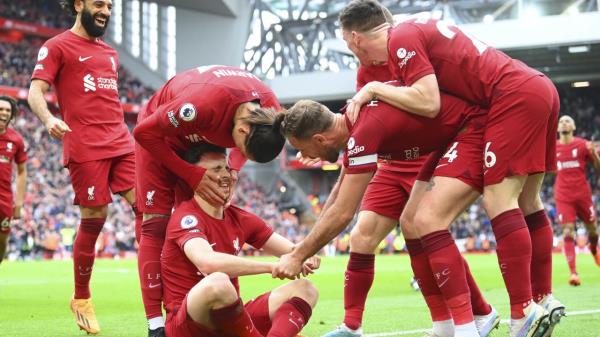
359	276
542	239
151	242
514	257
84	253
290	318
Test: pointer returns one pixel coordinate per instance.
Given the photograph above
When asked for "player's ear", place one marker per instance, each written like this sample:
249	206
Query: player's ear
319	138
78	4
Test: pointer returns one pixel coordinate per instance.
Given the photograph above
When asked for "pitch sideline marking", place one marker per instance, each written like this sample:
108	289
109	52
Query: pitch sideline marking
504	321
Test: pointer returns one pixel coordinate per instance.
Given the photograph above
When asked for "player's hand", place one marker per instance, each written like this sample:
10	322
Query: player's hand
591	146
288	267
17	212
56	127
307	161
209	189
362	97
234	179
311	265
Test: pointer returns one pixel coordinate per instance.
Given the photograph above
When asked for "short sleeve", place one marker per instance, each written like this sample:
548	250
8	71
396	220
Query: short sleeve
21	152
256	230
409	57
49	62
185	225
188	113
360	153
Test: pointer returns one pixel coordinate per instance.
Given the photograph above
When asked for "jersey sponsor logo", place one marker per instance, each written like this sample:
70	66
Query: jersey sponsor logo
230	72
404	60
189	221
4	159
150	198
90	191
172	119
38	67
42	54
83	59
356	150
363	160
568	164
88	83
187	112
351	143
401	52
194	138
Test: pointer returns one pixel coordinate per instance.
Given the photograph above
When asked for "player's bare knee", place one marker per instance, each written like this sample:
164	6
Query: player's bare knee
407	226
306	290
568	230
425	222
530	204
217	288
362	241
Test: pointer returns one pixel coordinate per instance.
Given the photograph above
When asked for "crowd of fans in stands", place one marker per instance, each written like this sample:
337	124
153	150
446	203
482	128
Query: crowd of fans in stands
46	13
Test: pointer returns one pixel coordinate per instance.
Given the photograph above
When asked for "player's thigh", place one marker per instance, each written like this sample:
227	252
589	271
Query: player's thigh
444	199
566	212
530	200
369	230
90	182
407	218
122	175
503	196
516	137
155	184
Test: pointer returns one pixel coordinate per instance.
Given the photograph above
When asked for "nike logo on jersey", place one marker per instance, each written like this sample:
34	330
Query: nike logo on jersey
83	59
155	285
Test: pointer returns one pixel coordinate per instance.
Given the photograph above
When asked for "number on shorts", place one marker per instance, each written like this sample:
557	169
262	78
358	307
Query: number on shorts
5	223
452	153
490	157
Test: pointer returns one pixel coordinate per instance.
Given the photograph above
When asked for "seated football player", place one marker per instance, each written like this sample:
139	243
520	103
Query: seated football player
200	267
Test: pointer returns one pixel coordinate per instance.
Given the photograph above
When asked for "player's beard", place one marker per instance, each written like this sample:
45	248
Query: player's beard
88	21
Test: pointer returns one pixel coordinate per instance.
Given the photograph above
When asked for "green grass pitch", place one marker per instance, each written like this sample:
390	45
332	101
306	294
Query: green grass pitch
34	297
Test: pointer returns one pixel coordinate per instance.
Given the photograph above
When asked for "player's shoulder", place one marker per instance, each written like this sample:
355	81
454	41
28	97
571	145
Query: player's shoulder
240	215
59	39
186	208
14	134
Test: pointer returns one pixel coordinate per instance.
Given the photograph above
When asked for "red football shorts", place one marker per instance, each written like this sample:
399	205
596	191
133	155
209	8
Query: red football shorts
462	159
582	208
157	188
5	219
94	181
388	192
180	324
520	136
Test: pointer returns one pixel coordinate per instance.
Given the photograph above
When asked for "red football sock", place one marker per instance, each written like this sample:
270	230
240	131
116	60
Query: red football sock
290	318
541	249
152	239
84	253
234	320
448	269
593	239
419	262
513	247
570	253
478	303
360	273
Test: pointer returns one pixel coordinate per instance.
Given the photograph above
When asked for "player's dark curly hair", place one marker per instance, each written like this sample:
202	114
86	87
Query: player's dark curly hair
195	153
265	141
69	5
364	15
13	105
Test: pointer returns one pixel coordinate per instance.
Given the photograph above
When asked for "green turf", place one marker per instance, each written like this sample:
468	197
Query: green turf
34	297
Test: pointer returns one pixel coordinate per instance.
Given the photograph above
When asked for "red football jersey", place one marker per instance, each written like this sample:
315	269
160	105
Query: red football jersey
198	105
463	65
382	74
571	178
84	74
382	131
227	236
12	149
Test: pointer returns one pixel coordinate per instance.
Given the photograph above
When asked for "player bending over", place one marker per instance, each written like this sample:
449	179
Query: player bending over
200	268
